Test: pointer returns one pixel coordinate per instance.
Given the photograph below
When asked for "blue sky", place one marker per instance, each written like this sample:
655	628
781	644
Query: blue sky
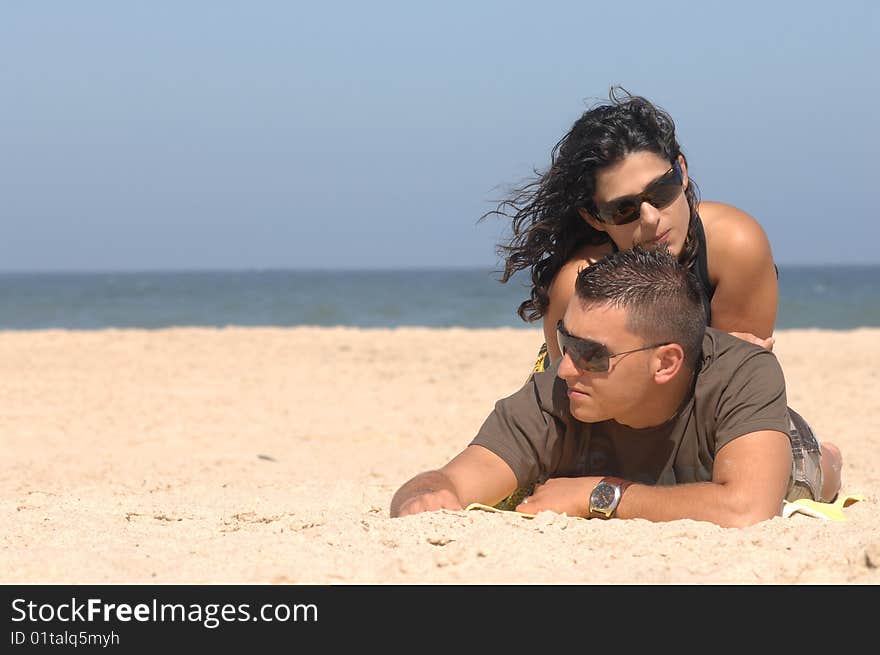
253	135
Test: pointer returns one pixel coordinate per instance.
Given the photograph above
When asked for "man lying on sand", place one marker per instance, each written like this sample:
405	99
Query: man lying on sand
649	414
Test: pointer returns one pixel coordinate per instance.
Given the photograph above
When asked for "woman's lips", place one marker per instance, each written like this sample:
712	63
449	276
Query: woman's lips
663	237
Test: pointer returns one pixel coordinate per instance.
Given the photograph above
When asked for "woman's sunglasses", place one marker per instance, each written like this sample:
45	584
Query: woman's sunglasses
589	355
660	193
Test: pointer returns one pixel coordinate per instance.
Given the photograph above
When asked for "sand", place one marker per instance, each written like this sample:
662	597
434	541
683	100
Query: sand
264	455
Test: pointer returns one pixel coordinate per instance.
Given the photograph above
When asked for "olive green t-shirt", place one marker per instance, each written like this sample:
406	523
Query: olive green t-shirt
739	389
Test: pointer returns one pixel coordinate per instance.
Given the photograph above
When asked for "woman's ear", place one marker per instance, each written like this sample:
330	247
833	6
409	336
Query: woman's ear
591	220
684	170
668	362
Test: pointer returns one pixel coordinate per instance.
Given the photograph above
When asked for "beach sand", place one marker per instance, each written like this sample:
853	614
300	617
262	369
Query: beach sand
266	455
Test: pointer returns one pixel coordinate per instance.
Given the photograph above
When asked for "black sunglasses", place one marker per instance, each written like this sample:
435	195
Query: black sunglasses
660	193
589	355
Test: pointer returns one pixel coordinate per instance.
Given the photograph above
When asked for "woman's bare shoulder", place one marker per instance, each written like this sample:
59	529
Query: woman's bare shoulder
584	256
721	219
589	254
734	239
563	283
730	229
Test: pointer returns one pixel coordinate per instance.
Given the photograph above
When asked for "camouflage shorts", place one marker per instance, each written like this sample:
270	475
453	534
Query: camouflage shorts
806	473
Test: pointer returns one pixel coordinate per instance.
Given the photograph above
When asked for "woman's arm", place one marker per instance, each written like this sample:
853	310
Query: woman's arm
742	270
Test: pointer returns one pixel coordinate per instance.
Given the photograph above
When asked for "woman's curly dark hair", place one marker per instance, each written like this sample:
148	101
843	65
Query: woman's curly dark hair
547	228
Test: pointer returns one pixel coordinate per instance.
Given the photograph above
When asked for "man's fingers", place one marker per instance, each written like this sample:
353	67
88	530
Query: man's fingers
528	506
431	502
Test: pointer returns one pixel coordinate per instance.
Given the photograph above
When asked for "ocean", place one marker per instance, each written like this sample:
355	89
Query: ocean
834	297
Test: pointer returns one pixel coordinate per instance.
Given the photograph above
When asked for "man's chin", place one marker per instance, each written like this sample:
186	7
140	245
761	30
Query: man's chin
587	414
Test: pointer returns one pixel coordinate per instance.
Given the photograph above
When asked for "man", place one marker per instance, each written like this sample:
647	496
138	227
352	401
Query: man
649	414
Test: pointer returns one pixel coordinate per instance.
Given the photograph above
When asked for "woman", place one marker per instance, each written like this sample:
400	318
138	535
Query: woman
619	178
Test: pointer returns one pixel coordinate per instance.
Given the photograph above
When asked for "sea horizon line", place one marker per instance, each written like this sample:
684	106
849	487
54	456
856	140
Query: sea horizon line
366	269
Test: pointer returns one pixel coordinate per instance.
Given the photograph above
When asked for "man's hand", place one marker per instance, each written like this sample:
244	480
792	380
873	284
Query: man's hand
426	492
429	501
758	341
474	475
568	495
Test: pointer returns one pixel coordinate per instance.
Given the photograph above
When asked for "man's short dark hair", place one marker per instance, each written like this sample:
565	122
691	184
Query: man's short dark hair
662	298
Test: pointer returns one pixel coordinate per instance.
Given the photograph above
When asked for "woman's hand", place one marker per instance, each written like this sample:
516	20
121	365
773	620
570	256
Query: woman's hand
758	341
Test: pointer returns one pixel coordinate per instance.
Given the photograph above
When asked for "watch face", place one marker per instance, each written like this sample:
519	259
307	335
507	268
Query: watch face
603	496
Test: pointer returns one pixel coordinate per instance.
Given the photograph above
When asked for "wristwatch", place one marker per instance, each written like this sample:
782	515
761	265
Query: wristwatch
606	496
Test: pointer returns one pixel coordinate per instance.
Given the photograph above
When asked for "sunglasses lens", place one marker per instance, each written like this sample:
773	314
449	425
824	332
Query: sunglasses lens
663	194
623	212
660	194
586	355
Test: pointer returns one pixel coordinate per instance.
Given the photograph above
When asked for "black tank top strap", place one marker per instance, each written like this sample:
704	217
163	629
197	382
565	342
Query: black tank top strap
701	269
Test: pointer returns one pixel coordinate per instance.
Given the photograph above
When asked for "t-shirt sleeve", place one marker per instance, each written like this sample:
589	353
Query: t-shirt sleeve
753	400
521	429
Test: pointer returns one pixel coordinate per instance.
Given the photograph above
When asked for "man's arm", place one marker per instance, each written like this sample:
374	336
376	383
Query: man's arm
749	481
476	475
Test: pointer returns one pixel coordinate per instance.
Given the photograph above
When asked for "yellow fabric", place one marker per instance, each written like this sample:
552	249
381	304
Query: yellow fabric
489	508
541	361
831	511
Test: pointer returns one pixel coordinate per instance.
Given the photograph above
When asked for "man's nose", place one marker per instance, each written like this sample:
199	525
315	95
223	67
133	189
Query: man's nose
567	369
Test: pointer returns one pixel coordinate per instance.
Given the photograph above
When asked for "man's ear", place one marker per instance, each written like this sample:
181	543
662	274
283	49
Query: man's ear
591	220
668	362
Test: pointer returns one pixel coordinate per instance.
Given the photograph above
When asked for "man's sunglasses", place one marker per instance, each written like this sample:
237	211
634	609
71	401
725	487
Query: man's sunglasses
589	355
660	193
